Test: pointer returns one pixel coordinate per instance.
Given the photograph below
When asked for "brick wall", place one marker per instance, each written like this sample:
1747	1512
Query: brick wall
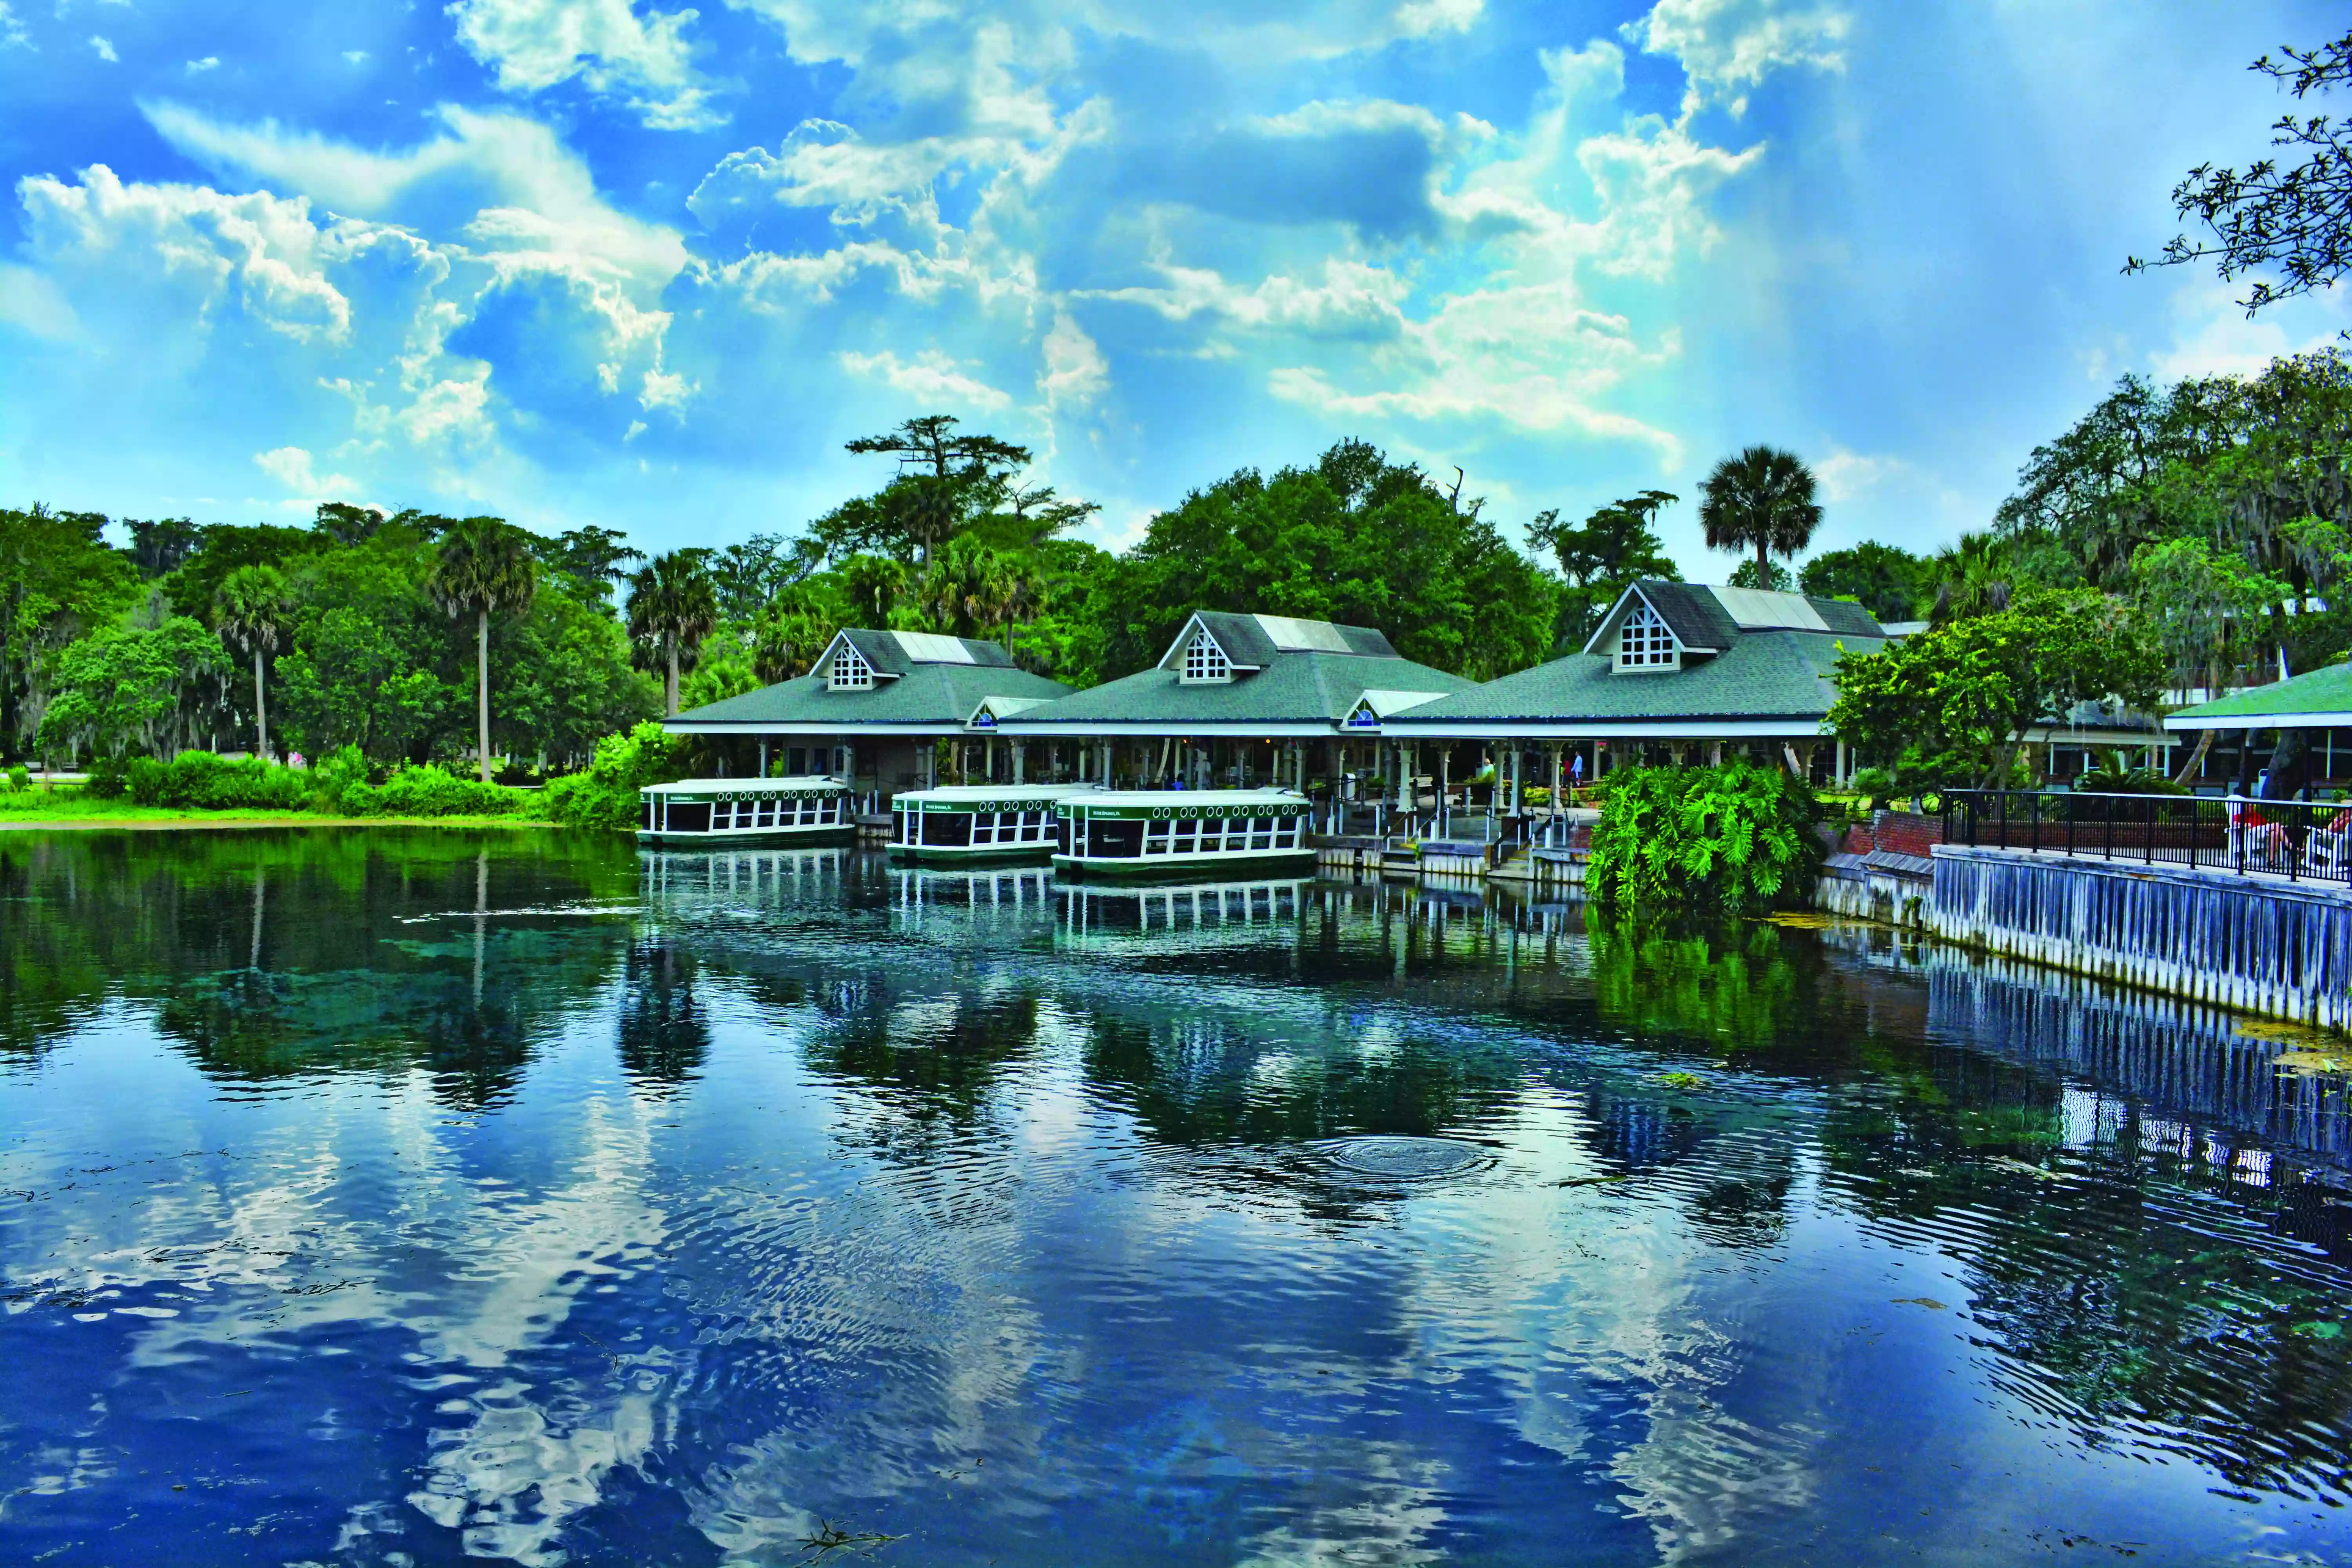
1903	833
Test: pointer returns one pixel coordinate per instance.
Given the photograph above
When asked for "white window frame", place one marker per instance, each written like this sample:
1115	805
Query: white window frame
848	671
1204	662
1645	641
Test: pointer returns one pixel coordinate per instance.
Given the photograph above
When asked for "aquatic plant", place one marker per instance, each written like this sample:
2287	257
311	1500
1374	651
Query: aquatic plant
1736	839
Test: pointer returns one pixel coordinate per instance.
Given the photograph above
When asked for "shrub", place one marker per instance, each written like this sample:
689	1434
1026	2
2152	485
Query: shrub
1736	839
203	782
605	795
431	791
332	776
1875	785
20	779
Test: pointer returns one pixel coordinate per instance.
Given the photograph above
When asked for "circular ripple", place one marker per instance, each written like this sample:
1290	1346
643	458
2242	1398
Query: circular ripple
1403	1158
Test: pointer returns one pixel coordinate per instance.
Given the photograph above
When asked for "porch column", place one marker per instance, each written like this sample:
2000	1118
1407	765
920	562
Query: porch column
989	766
1020	752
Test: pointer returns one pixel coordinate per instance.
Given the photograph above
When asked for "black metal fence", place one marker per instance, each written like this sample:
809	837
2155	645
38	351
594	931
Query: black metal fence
2289	838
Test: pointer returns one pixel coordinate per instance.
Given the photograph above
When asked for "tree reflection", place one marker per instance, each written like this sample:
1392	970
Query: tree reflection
665	1032
270	954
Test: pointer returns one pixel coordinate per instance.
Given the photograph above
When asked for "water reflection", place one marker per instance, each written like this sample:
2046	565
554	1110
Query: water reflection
521	1196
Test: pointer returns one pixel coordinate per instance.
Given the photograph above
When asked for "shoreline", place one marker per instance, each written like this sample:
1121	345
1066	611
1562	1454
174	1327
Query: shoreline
216	821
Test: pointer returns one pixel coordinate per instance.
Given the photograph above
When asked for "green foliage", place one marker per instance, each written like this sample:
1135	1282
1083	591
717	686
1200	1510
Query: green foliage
332	776
203	781
605	796
1761	498
1615	547
1875	785
1951	706
429	790
1355	540
1891	582
2116	773
20	779
129	691
1770	576
57	582
673	605
1737	839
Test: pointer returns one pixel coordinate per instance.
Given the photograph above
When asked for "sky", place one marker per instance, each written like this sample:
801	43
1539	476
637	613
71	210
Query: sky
649	266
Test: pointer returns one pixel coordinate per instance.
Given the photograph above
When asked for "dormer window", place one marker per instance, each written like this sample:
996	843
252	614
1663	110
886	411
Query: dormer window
1645	641
849	671
1204	660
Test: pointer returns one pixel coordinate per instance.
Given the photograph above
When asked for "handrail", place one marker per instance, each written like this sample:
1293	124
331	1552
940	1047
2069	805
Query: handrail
2244	834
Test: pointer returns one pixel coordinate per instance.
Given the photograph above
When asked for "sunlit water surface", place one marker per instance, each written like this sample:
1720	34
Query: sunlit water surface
383	1198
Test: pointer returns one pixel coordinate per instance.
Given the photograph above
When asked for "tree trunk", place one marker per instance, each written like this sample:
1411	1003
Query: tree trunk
260	710
482	685
2196	758
669	695
1763	562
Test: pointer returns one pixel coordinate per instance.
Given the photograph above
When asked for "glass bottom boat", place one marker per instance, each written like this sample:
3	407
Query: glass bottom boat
1206	835
735	811
969	824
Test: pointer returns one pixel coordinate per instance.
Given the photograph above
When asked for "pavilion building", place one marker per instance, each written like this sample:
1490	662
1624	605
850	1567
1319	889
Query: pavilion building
873	709
1238	701
1675	672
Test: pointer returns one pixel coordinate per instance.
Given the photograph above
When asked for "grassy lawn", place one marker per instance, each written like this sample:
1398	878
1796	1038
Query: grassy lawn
69	807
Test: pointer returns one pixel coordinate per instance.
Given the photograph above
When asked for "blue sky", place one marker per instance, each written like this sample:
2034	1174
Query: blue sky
649	266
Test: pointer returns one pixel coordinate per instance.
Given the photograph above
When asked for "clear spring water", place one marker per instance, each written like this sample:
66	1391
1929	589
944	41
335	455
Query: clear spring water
384	1197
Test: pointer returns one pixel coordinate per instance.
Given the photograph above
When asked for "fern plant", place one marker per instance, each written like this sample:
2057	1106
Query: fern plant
1733	839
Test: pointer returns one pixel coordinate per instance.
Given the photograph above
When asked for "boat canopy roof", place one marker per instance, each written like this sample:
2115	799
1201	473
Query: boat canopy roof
978	797
808	784
1192	802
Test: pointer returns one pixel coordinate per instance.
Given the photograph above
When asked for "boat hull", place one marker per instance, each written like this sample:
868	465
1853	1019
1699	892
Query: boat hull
987	854
818	837
1246	867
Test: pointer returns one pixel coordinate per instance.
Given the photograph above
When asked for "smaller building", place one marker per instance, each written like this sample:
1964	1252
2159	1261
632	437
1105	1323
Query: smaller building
1674	672
2314	707
873	709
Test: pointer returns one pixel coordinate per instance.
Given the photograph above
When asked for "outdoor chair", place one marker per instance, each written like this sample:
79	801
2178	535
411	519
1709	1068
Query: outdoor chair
2327	848
2254	839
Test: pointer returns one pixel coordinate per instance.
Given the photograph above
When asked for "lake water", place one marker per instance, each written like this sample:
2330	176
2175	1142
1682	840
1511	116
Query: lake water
405	1198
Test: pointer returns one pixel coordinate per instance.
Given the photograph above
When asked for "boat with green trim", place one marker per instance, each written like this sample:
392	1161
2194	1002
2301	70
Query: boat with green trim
970	824
806	810
1207	835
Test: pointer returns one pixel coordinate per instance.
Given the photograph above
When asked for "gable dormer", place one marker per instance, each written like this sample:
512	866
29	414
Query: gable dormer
1205	661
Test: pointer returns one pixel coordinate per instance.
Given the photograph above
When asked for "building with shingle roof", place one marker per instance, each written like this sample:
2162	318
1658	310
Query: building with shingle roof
873	709
1674	670
1236	699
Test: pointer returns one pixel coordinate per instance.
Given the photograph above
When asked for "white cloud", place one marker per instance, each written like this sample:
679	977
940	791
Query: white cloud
2212	336
12	30
105	49
1420	18
1076	371
31	301
291	467
355	56
533	44
931	377
1728	47
260	250
1851	476
198	68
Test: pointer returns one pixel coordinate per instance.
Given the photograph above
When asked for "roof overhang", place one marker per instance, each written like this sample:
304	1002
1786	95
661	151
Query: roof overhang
1800	726
801	727
2189	721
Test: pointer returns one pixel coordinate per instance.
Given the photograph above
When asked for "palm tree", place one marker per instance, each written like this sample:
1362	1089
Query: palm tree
1975	577
249	609
673	605
964	592
485	566
1762	500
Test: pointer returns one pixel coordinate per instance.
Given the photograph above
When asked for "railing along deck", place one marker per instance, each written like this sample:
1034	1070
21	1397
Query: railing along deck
2299	840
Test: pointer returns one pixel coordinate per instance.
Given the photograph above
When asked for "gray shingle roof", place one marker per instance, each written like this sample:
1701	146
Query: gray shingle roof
1691	613
934	694
1256	641
896	653
1293	689
1760	674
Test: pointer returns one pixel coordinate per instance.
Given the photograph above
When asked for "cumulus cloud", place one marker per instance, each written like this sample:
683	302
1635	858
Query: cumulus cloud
931	378
105	49
1076	371
12	30
647	61
198	68
1727	47
291	467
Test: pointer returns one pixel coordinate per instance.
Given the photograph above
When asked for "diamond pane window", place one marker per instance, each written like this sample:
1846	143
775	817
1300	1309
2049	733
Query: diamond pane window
1204	660
1644	640
850	672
